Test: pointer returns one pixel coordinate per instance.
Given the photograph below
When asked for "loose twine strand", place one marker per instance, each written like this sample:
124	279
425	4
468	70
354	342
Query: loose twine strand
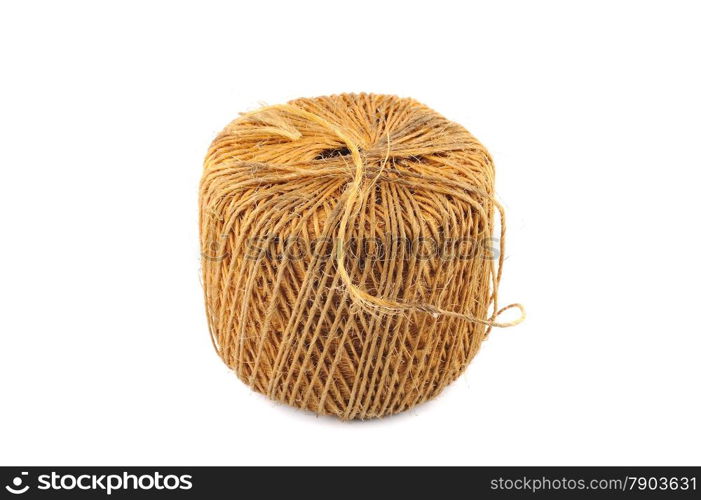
354	192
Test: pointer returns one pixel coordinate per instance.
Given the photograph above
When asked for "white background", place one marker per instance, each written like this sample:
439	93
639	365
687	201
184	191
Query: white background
592	114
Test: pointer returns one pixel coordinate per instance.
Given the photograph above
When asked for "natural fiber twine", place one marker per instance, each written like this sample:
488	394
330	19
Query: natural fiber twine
332	327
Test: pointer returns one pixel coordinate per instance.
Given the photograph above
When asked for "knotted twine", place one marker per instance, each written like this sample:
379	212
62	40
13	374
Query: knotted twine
332	327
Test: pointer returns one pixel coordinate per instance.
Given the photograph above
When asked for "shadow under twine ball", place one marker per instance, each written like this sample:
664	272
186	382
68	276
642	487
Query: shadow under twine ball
350	258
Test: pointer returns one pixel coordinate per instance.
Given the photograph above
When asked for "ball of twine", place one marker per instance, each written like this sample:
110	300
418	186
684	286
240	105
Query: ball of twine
349	264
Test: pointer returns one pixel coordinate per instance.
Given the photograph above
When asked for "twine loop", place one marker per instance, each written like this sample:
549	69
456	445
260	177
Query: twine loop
353	192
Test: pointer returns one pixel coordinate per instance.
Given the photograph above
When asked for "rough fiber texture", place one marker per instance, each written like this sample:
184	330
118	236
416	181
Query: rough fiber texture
297	304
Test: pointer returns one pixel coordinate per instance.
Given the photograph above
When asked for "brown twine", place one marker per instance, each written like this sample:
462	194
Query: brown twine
349	335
